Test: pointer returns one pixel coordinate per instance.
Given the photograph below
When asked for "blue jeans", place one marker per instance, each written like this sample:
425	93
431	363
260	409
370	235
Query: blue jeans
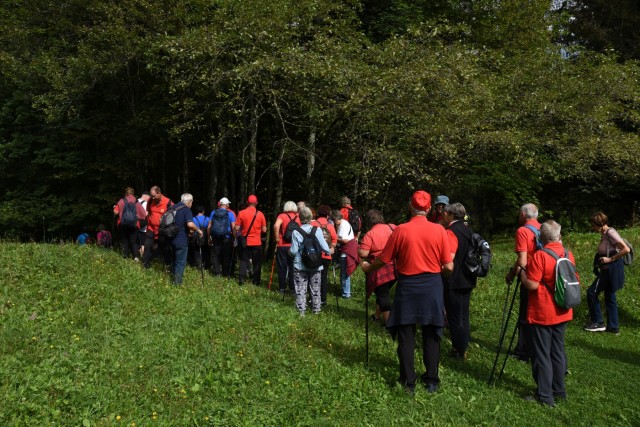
346	280
610	301
179	263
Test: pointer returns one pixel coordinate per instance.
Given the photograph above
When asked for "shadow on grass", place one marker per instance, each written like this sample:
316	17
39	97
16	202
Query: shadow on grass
624	356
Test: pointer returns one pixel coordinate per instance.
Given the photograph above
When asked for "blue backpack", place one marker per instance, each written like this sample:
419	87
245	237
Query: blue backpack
220	224
536	234
129	216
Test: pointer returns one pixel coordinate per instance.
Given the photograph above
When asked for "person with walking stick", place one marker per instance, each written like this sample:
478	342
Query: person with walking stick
421	251
527	243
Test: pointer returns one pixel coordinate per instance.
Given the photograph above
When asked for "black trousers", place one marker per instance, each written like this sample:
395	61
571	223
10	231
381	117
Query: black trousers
163	248
430	353
129	239
253	253
456	302
324	280
548	363
221	256
285	268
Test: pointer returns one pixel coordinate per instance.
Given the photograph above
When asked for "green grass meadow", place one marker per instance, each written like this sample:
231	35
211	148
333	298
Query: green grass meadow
87	338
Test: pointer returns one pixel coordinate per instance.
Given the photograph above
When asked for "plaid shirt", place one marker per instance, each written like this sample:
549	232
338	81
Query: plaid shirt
383	275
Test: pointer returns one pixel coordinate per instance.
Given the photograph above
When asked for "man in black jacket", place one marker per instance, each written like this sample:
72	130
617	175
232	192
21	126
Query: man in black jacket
458	287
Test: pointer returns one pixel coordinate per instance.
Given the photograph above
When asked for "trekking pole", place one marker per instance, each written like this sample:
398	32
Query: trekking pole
506	355
273	265
333	267
201	267
366	320
286	278
503	331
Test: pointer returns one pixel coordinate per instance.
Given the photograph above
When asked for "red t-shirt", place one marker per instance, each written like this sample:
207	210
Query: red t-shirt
541	268
418	246
244	219
141	213
376	238
453	241
526	240
324	222
286	218
156	210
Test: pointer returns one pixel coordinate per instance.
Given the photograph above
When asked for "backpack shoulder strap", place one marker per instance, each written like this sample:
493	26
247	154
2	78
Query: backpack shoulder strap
553	254
534	230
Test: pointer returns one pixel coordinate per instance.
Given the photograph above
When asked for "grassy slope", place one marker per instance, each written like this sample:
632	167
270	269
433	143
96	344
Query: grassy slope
87	337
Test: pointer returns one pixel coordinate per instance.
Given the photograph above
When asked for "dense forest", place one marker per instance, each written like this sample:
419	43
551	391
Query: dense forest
492	102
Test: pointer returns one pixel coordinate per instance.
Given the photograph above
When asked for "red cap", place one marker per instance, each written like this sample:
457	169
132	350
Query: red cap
252	199
421	200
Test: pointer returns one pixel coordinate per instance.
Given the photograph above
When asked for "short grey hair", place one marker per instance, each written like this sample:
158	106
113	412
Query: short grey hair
305	215
550	231
290	207
529	210
415	211
186	198
456	210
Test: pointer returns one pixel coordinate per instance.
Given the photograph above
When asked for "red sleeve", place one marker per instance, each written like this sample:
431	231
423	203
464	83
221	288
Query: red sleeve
389	252
523	237
536	266
332	232
366	242
445	254
453	241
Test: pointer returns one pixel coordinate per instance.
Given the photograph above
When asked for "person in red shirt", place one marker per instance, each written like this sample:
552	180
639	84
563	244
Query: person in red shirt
526	238
323	222
371	246
421	251
547	322
437	213
156	207
251	225
129	234
285	262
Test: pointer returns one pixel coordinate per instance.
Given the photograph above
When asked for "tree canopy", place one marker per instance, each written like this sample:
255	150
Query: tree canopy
491	103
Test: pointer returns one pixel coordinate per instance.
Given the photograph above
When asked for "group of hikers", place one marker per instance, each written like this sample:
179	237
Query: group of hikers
427	257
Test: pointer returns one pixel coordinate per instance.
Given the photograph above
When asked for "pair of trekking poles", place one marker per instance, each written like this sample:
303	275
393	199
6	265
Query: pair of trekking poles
504	325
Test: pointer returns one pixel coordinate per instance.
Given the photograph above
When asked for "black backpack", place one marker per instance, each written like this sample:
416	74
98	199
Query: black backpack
355	220
129	216
311	249
291	227
220	223
566	293
168	226
478	258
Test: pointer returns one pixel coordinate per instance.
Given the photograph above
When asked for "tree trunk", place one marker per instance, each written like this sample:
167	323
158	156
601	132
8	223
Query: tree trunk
253	144
311	163
280	182
213	176
185	168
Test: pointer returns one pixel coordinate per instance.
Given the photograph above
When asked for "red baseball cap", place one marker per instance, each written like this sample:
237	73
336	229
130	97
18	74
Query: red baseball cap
421	200
252	199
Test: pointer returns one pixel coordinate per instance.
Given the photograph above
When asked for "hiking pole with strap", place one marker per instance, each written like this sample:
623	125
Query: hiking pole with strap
333	267
503	330
506	355
273	265
201	266
366	320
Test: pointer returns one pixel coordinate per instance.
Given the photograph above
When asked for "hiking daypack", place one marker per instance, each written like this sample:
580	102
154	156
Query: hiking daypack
355	220
311	249
536	233
567	290
200	239
105	239
326	234
478	258
291	226
627	259
168	226
220	223
129	216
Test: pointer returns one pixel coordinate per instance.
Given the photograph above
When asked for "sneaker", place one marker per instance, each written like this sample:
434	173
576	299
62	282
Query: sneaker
614	331
346	296
595	327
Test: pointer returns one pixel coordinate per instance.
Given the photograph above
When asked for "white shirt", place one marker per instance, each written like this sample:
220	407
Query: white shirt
345	231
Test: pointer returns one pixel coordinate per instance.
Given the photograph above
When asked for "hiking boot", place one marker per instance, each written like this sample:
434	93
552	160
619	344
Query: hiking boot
595	327
614	331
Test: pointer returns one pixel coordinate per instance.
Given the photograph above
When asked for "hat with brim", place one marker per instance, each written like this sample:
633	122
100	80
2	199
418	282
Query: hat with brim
224	201
441	200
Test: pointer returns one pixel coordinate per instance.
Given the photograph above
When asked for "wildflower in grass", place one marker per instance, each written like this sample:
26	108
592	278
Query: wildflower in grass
118	418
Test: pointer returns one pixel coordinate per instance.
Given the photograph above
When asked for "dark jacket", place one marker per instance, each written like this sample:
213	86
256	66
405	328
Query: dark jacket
461	279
